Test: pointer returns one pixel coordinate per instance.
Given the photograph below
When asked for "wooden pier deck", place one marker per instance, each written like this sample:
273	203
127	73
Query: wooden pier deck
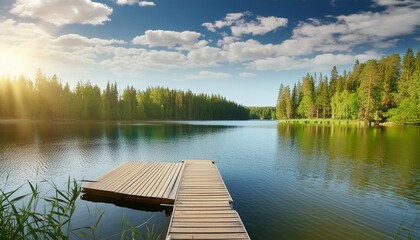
202	203
202	207
149	182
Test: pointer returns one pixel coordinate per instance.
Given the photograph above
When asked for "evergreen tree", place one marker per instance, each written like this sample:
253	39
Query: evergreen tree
408	67
390	66
408	110
280	106
306	106
369	92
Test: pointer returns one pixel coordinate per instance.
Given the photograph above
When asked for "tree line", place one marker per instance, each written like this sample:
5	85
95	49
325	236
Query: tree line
262	113
376	91
48	98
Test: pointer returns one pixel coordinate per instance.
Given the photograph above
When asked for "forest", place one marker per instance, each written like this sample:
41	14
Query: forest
376	91
262	113
48	99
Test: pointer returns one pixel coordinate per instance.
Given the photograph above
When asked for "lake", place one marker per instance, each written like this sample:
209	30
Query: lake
287	181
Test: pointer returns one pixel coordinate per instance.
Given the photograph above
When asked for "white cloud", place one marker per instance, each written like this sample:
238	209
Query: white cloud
73	52
206	56
72	40
170	39
395	2
146	4
248	50
342	33
229	20
262	26
227	40
247	74
62	12
126	2
133	60
393	22
209	75
319	62
139	2
239	26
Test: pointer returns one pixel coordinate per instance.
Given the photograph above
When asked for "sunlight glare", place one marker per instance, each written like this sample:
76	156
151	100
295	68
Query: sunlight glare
12	64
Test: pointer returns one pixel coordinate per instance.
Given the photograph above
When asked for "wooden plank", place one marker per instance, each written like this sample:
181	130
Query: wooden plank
156	182
119	181
209	236
202	208
209	220
146	180
207	225
174	182
101	177
173	193
136	179
110	176
207	230
164	184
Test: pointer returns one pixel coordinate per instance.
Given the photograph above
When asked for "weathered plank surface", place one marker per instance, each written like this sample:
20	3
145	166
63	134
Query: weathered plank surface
202	208
152	182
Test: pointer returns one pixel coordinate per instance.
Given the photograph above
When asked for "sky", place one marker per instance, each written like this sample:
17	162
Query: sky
240	49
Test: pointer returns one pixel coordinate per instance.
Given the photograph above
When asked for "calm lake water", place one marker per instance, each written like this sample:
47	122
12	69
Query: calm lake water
287	181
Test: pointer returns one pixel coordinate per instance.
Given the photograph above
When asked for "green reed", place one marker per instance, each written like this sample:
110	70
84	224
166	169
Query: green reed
32	216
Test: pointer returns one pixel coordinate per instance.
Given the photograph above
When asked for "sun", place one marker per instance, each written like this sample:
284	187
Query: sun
12	64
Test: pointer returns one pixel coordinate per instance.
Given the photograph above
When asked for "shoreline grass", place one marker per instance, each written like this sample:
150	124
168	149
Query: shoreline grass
33	216
324	121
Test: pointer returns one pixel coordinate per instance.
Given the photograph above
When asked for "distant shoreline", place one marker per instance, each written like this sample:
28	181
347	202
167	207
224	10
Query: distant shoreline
330	121
310	121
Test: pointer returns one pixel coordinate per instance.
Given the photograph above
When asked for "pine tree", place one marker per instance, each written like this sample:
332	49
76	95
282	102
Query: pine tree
280	106
408	66
369	91
306	106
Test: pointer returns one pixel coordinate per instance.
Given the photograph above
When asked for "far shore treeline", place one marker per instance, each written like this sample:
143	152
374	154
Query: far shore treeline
48	99
376	91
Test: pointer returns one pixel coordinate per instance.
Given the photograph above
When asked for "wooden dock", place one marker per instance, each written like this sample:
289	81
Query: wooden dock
202	203
203	206
148	182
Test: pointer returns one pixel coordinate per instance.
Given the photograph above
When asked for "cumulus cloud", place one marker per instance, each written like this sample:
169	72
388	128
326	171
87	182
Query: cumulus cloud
346	31
146	4
395	2
227	40
72	40
262	26
77	52
62	12
247	74
209	75
321	61
239	26
170	39
248	50
126	2
206	56
229	20
138	2
133	60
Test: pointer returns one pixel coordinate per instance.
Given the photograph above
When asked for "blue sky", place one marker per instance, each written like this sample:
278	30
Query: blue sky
241	49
